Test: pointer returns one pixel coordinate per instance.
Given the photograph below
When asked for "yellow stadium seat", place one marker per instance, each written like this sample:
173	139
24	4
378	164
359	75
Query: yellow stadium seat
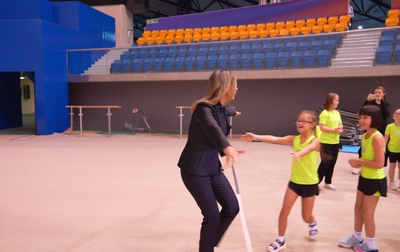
333	20
251	27
305	30
290	24
393	13
322	21
243	35
392	22
327	28
345	19
241	28
215	36
294	31
263	33
273	32
234	35
300	23
279	25
269	26
316	29
260	26
225	36
253	34
340	27
284	32
311	22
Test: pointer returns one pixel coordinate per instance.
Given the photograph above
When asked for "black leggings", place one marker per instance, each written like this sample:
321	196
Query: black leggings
329	156
207	191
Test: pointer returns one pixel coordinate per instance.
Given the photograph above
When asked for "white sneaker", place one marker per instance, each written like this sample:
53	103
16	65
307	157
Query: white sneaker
392	186
356	171
330	186
320	187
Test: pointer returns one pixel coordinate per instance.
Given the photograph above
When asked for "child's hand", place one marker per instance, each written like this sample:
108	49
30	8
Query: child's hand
296	156
247	137
354	163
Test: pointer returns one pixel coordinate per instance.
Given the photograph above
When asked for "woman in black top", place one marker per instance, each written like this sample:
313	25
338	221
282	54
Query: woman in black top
201	170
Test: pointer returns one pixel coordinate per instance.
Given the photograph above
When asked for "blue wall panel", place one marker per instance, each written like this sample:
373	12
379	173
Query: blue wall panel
284	11
35	35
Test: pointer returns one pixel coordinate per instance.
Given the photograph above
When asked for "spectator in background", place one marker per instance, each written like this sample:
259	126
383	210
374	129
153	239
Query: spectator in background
351	13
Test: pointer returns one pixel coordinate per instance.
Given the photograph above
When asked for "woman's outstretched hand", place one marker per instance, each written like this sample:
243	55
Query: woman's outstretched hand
231	155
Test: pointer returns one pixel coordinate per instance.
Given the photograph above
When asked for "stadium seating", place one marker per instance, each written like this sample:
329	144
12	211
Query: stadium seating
296	59
234	60
309	59
270	60
323	58
245	61
387	40
397	54
116	66
383	55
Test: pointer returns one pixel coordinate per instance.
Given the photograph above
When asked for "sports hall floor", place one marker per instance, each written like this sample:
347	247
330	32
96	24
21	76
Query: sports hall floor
93	193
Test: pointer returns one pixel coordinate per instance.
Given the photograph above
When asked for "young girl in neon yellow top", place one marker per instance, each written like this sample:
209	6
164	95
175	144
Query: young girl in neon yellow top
392	135
304	176
372	180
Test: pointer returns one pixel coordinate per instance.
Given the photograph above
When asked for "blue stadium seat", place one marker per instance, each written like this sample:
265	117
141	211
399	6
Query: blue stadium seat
222	61
148	65
171	53
258	61
153	53
202	51
291	46
116	66
245	61
199	62
279	47
244	49
337	38
267	47
397	54
168	64
211	62
137	65
309	58
178	64
304	46
234	62
223	50
126	66
309	38
162	53
182	52
189	64
387	40
270	60
323	58
296	60
283	60
330	45
383	55
158	65
233	49
143	53
134	54
392	32
125	55
316	45
398	39
192	52
213	51
256	48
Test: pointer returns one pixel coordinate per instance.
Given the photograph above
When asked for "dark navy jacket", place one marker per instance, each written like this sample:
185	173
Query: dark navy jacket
207	138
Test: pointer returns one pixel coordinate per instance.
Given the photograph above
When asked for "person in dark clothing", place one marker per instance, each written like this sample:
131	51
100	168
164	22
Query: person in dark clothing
201	170
378	98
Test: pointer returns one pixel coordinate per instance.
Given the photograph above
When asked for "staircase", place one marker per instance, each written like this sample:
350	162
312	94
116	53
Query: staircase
102	65
357	50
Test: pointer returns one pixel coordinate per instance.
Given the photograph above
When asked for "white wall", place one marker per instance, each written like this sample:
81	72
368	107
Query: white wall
123	22
28	106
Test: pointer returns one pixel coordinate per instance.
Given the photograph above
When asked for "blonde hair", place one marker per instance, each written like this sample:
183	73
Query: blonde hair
218	87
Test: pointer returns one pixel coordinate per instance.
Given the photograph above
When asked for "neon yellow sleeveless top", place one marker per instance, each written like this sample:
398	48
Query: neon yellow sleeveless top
394	133
331	119
305	171
368	154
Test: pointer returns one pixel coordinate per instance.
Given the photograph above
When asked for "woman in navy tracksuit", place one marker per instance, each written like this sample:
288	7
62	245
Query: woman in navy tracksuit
201	170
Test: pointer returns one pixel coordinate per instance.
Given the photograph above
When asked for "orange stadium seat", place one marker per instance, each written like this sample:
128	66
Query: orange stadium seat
214	29
273	33
160	39
305	30
284	32
327	28
340	27
206	30
333	20
269	26
253	34
241	28
196	37
188	38
322	21
206	37
260	26
243	34
178	38
279	25
316	29
393	13
163	32
345	19
223	29
263	33
146	34
392	22
311	22
215	36
290	24
225	36
141	41
251	27
234	35
197	30
300	23
154	33
232	28
169	39
294	31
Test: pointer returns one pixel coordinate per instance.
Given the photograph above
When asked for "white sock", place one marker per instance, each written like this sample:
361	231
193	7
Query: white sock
357	235
371	242
281	238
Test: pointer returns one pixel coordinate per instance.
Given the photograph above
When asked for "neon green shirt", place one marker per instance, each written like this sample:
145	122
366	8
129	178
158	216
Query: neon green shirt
330	119
305	171
394	137
368	154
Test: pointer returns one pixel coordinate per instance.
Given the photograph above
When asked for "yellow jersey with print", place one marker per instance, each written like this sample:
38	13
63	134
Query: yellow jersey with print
330	119
394	137
368	154
305	171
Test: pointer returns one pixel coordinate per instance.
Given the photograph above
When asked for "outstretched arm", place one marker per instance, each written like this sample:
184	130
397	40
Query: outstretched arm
249	137
313	146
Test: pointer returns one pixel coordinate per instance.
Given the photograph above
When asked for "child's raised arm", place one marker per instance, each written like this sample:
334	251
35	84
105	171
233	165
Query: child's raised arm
250	137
